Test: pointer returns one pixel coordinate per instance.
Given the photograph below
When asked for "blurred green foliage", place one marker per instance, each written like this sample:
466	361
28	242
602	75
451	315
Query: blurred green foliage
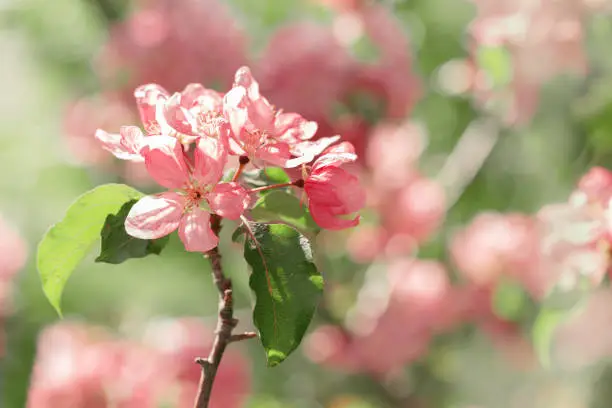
48	47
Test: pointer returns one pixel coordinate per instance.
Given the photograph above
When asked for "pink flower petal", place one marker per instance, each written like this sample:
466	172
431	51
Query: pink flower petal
191	94
261	114
210	159
132	139
326	219
276	154
334	159
177	116
124	146
195	231
165	161
307	150
228	200
197	98
234	110
344	147
155	216
147	98
244	79
292	127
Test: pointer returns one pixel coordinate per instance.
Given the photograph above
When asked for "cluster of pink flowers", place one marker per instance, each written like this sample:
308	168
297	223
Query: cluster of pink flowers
563	246
188	139
305	67
544	39
13	253
408	301
84	366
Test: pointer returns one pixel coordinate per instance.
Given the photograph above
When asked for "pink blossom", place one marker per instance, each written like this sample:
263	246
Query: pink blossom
260	132
195	112
495	245
332	192
574	245
196	183
366	243
416	209
596	187
392	153
82	366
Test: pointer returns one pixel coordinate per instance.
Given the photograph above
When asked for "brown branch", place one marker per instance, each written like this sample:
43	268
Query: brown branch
225	324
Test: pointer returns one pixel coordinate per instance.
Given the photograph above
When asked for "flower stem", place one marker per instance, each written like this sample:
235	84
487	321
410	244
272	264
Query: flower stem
225	324
298	183
243	161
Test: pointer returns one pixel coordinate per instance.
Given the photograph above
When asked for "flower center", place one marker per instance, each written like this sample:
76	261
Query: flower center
194	196
254	140
207	123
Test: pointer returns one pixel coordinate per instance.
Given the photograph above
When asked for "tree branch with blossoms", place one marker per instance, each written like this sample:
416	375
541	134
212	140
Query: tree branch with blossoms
187	140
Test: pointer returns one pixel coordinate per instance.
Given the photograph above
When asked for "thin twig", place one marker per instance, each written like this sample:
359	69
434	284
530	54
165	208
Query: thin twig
225	324
270	187
242	336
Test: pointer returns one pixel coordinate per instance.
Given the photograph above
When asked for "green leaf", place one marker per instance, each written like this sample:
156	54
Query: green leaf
118	246
265	177
282	206
287	287
276	175
238	233
66	243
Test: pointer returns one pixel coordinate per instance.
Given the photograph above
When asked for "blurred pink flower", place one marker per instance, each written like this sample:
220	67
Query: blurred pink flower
495	245
82	366
158	215
304	69
574	245
545	38
366	243
392	153
595	187
172	44
391	329
333	193
416	209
